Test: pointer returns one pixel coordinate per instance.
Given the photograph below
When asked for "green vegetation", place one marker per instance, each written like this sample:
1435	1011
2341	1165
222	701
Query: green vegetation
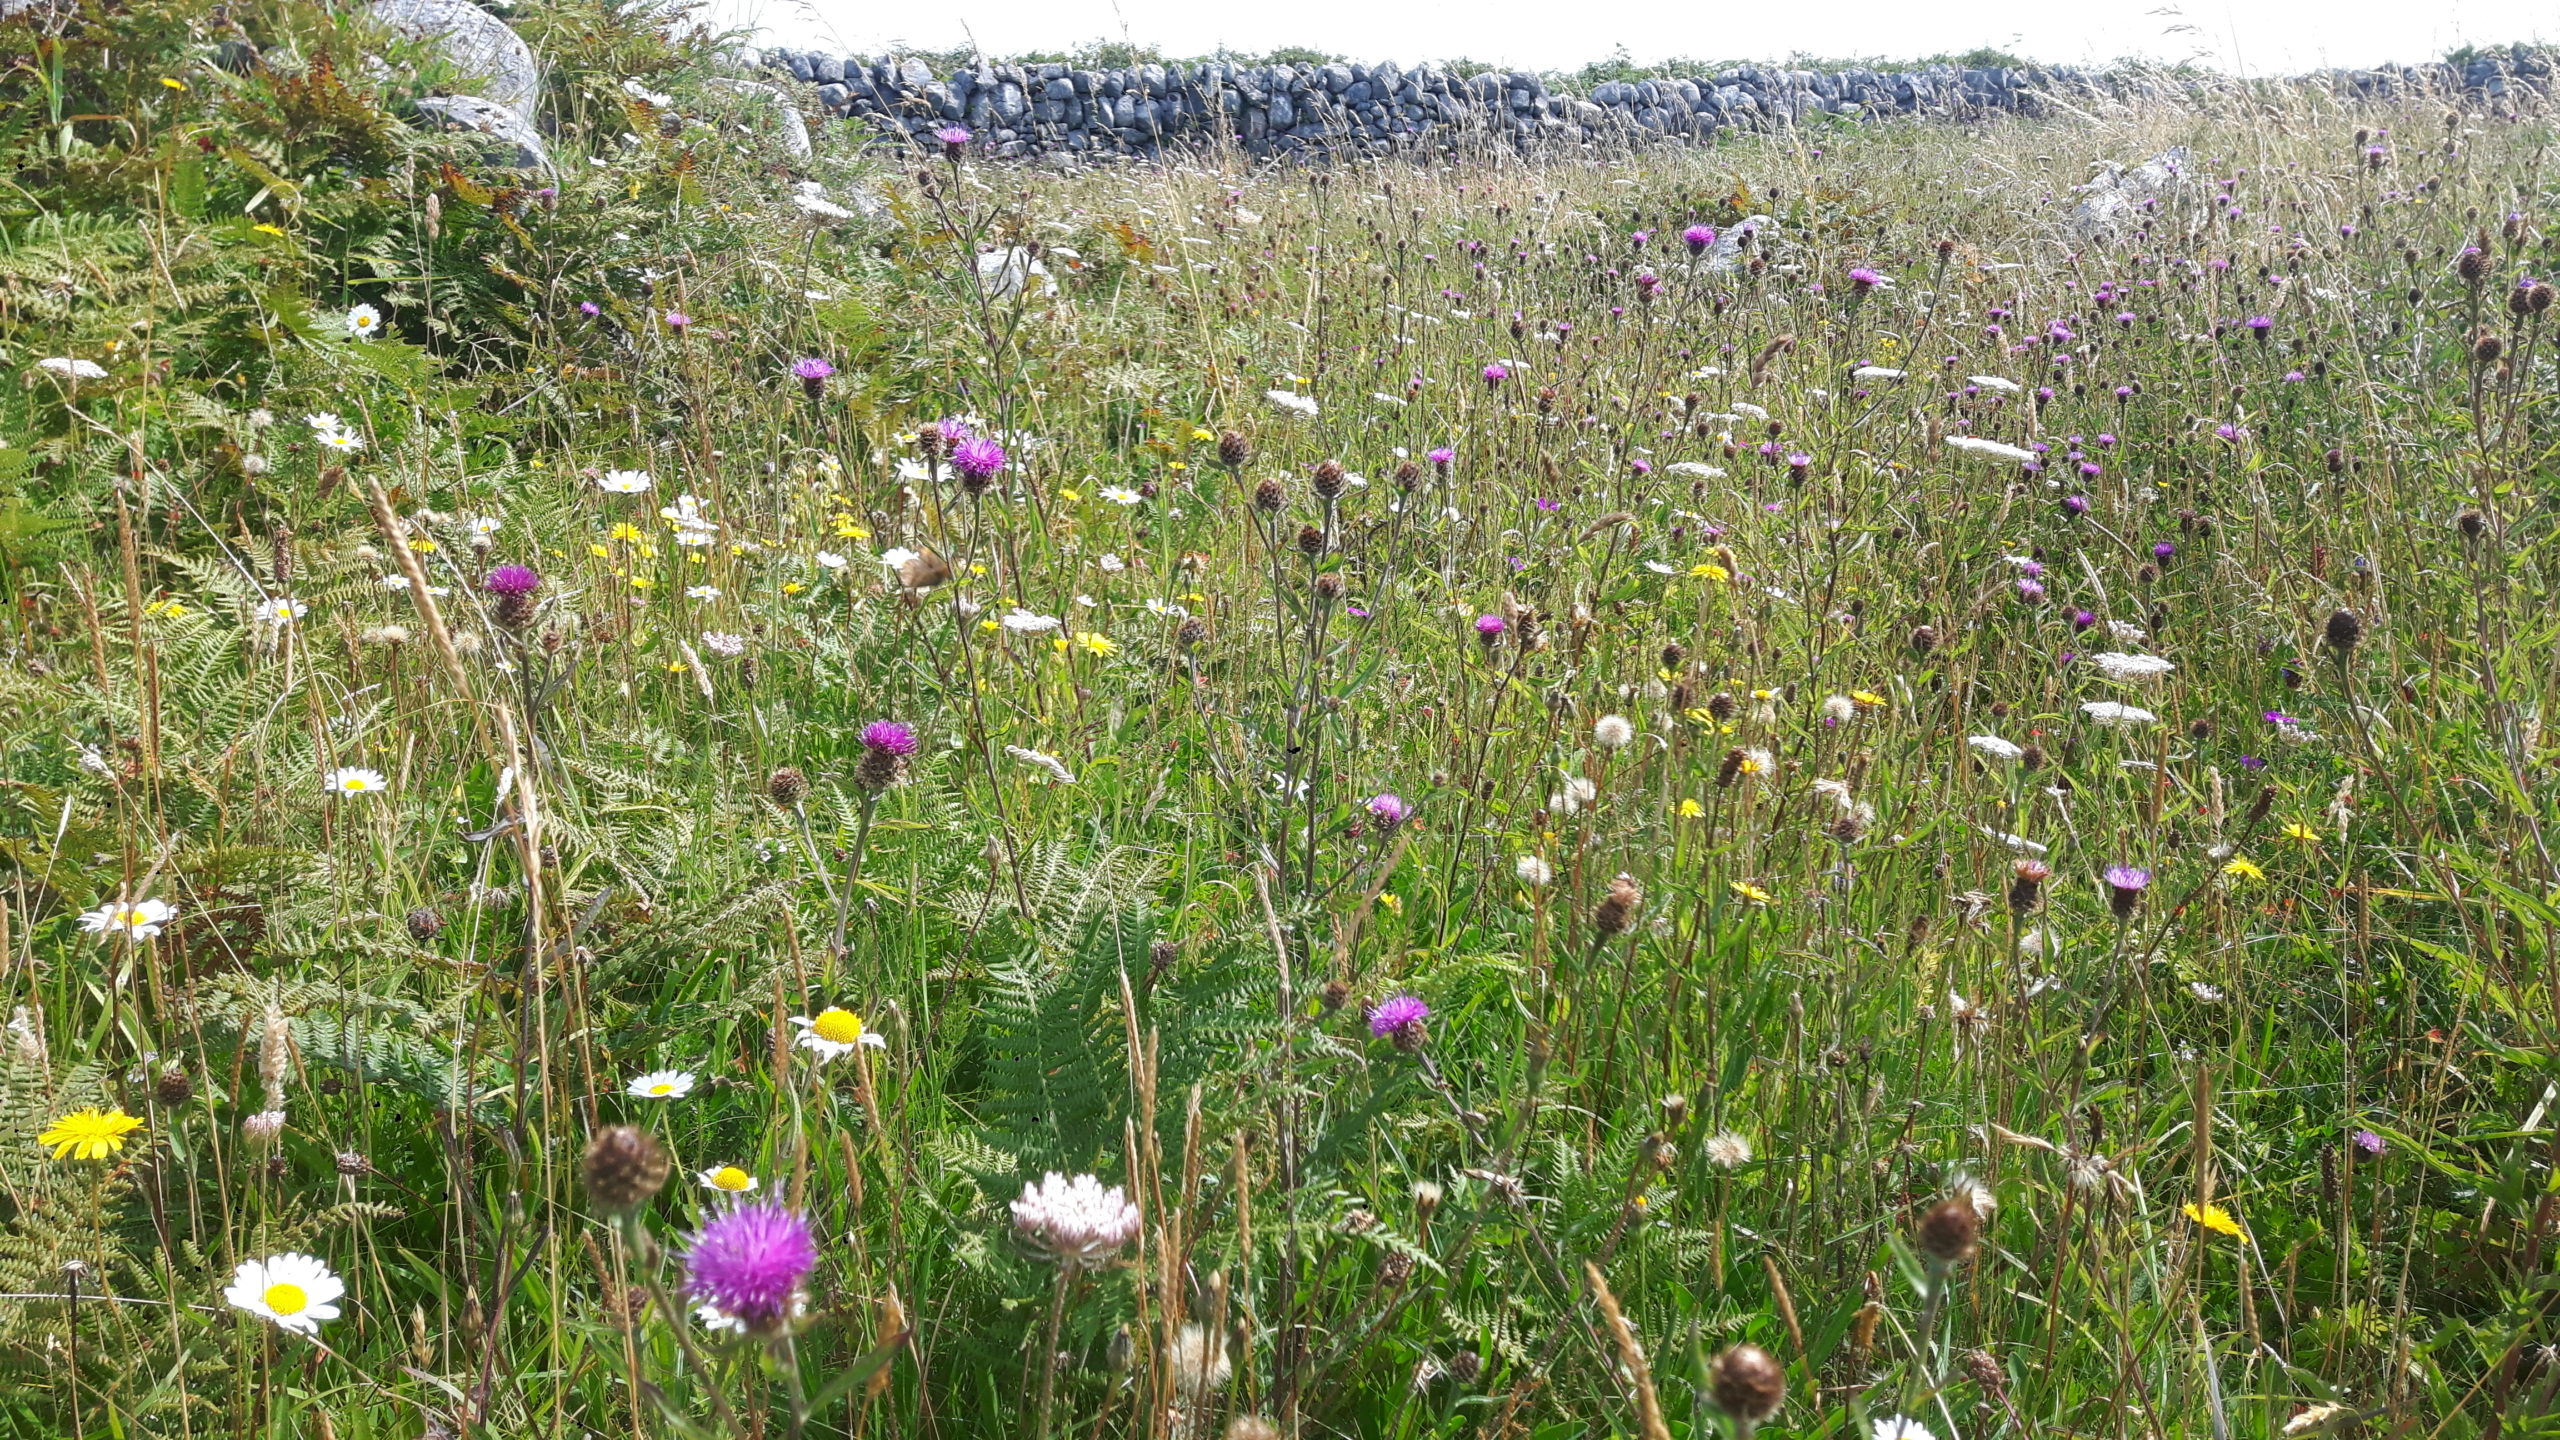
1959	799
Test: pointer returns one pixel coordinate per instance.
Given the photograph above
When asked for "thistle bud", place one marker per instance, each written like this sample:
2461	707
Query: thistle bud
1328	585
625	1169
1923	640
2342	632
1721	706
1191	632
1948	1232
425	924
174	1088
1310	541
787	786
1269	496
1408	475
2486	347
1673	654
1748	1384
1329	480
1234	451
2026	884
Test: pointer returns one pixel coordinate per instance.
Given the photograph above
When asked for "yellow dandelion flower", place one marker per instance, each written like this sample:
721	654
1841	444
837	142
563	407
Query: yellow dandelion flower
600	552
2241	867
626	532
1709	570
1750	894
1751	764
1069	496
1866	699
166	609
641	582
277	230
989	624
1691	809
1096	644
2213	1218
1201	435
424	545
792	587
2301	834
89	1134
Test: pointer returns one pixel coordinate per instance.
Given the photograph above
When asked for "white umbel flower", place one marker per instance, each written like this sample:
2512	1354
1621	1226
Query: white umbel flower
2131	669
72	368
1997	748
294	1290
1024	622
1976	445
2000	383
1078	1222
352	780
1290	402
141	920
2115	716
661	1085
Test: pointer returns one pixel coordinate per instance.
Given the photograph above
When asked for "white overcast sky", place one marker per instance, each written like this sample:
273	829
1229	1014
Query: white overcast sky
2252	36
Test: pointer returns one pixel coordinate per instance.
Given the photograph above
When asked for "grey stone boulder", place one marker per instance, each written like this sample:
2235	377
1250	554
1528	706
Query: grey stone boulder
473	40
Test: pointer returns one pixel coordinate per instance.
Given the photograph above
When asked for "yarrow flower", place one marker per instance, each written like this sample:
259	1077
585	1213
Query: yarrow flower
2114	716
293	1290
2131	669
1078	1222
139	921
88	1134
749	1262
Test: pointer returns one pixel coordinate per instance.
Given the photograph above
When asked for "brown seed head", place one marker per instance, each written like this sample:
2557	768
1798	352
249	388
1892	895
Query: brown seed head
425	924
625	1169
1234	451
787	786
174	1088
2343	631
1748	1383
1191	632
1948	1232
1722	706
1269	496
1310	541
1617	909
1329	480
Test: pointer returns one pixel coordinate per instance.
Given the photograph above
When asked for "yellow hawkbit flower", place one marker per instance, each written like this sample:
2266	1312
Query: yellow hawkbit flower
1750	894
2213	1218
2241	867
624	531
1691	809
1096	644
1069	496
1866	699
89	1134
2301	834
1709	570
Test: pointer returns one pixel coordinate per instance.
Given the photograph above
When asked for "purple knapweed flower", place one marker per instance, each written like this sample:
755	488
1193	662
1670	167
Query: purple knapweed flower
1441	458
511	580
812	372
2125	884
1496	373
955	140
2367	1141
749	1262
1489	628
2278	717
2252	762
2082	619
889	737
2075	504
1699	239
677	320
1864	279
2163	550
978	459
2260	325
2031	592
1400	1018
1389	810
590	309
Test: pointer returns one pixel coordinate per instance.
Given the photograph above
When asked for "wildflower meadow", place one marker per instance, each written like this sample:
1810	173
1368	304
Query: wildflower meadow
1798	785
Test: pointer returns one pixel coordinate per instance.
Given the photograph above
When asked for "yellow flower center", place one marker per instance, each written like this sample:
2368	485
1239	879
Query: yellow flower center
663	1087
841	1027
729	1177
287	1299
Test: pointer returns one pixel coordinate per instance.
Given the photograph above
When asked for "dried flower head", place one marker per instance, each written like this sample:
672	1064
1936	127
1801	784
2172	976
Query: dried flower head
625	1168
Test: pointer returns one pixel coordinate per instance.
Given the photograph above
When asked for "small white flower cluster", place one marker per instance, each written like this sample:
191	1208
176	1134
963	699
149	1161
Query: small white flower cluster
331	433
2131	669
1077	1221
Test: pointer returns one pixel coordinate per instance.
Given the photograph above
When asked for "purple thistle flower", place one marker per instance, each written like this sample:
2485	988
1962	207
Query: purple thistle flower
1400	1019
511	580
2082	619
2252	762
955	141
2163	550
1699	239
677	320
750	1261
977	458
1496	373
2259	325
889	738
1489	628
1865	279
2125	884
590	309
1543	503
1441	458
1389	809
2075	504
2367	1141
2031	592
1640	237
813	372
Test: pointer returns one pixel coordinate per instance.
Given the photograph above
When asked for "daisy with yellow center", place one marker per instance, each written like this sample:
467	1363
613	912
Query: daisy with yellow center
727	1179
135	920
353	781
662	1085
89	1134
295	1291
835	1032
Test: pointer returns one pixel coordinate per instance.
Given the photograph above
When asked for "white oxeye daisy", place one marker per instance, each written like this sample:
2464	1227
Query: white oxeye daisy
341	442
1121	495
323	421
487	524
702	592
281	611
623	482
727	1179
661	1085
836	1032
295	1291
139	921
830	560
350	780
1900	1427
363	322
